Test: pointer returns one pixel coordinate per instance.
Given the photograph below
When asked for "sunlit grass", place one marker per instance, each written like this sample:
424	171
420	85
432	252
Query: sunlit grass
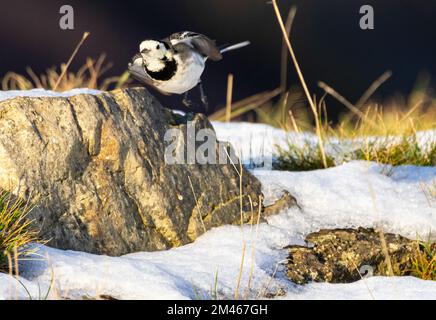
301	158
423	261
387	134
16	231
383	132
404	150
90	75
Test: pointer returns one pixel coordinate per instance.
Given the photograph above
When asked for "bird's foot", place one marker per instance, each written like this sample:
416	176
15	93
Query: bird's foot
205	103
187	103
203	96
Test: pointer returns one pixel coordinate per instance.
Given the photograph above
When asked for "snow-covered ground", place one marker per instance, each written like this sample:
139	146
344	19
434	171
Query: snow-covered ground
353	194
5	95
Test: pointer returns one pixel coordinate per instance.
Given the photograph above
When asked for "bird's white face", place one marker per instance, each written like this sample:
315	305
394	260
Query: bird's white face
153	49
154	53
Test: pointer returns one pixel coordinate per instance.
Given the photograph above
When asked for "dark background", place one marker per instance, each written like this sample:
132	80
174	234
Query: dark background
326	35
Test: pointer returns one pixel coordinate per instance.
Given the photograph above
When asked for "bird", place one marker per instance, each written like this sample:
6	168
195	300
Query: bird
174	65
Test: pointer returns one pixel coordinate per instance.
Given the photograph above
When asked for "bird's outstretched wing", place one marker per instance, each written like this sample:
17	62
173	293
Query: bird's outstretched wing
200	42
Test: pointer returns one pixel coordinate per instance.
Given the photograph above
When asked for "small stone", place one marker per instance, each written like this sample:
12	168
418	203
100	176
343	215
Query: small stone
336	258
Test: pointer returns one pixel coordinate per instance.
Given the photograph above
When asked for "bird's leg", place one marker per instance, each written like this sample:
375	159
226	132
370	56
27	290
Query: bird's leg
189	105
186	102
203	97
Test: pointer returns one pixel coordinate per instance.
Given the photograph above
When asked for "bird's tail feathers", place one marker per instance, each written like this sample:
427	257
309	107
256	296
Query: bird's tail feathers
235	46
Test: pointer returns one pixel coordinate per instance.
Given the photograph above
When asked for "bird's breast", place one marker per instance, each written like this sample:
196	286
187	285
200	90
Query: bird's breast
189	70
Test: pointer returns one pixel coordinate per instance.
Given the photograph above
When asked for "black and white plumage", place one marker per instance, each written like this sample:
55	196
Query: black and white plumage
174	65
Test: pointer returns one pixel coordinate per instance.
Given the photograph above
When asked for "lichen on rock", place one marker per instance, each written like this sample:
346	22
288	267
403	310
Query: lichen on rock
346	255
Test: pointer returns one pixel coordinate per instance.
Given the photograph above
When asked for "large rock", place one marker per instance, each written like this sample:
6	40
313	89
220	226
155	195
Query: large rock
94	166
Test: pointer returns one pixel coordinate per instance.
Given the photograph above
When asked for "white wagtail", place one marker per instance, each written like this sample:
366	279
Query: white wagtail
174	65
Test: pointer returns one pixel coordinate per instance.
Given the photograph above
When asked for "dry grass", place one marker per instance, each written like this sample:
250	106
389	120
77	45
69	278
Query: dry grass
301	158
61	79
388	151
16	231
397	117
313	106
395	125
244	106
88	76
424	261
403	151
395	122
229	99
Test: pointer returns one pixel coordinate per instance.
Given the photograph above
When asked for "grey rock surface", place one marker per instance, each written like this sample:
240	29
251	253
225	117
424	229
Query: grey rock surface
94	167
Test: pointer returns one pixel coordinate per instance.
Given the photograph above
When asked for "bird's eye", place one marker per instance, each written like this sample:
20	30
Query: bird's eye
158	47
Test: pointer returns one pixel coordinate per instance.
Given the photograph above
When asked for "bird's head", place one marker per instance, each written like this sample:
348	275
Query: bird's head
153	49
154	53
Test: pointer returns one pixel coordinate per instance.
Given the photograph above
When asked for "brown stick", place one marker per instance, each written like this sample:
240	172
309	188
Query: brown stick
284	61
229	97
303	82
64	71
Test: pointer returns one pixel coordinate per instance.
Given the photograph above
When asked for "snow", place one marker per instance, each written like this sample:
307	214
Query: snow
344	196
350	195
374	288
359	194
255	142
5	95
